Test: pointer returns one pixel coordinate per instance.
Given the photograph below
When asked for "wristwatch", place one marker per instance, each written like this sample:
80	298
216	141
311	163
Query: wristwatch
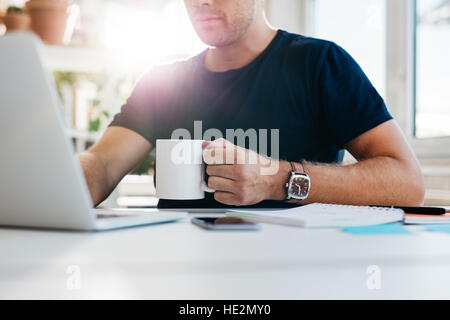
299	183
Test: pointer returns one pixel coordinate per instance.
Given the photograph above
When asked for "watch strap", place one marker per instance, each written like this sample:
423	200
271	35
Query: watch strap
298	167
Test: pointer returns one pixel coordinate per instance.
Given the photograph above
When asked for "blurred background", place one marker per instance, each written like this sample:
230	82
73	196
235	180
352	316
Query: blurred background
97	49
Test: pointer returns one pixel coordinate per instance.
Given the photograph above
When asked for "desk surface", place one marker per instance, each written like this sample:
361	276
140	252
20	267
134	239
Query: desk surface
182	261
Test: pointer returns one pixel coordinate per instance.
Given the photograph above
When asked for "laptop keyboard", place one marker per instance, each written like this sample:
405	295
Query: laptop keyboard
103	216
107	214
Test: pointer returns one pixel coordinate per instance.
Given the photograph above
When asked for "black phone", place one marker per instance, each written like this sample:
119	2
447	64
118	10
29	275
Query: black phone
225	223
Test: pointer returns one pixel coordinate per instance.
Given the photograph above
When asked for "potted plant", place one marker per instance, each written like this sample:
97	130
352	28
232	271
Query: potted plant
53	20
16	19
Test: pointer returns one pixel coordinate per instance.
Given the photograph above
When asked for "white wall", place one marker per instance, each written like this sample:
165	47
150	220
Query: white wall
290	15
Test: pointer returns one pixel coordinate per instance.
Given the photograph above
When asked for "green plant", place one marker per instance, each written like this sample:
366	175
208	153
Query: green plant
97	114
13	9
70	78
146	166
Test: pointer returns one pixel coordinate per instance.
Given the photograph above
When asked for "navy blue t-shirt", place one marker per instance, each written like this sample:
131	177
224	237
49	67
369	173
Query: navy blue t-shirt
311	90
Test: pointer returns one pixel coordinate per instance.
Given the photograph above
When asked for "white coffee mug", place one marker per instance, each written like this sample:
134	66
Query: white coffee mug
180	170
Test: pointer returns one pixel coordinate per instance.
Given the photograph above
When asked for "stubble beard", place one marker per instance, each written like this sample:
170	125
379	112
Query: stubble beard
235	31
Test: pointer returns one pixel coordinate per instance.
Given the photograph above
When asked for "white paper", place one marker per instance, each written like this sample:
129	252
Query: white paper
324	215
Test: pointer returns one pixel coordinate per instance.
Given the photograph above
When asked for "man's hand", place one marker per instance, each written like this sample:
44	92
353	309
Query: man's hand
241	176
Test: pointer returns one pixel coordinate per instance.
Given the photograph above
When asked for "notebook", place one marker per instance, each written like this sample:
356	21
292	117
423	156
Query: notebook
318	215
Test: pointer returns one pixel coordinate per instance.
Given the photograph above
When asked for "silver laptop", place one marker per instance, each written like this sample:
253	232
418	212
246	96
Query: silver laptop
41	182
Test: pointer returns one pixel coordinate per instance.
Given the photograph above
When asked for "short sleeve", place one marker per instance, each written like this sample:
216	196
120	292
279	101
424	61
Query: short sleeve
137	113
350	105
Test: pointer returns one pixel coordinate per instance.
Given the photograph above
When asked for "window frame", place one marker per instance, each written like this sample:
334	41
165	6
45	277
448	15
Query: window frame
425	148
400	73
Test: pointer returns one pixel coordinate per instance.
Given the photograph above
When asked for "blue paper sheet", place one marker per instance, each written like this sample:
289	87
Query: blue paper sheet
438	228
391	228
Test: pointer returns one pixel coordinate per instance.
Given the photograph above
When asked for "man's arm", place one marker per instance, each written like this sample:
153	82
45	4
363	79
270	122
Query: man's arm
110	159
387	174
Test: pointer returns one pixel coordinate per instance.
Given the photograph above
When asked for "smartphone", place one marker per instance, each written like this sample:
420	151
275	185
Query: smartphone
225	223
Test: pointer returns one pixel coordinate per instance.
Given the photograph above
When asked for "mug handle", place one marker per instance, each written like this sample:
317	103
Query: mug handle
206	188
204	185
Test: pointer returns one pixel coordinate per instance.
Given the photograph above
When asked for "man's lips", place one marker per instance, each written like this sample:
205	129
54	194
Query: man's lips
208	19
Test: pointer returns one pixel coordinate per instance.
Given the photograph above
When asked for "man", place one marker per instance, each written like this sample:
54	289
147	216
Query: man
253	76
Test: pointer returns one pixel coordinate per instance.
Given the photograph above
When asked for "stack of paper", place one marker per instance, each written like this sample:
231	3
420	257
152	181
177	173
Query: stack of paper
324	215
426	219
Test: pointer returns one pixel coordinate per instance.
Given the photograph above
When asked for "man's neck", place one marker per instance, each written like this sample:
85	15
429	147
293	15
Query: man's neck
241	52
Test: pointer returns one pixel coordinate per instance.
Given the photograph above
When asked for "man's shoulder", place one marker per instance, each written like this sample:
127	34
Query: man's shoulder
314	52
300	44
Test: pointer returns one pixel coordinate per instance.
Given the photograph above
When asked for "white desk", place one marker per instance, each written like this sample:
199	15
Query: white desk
182	261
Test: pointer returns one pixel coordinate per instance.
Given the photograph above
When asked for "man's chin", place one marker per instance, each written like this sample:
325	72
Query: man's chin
216	43
213	39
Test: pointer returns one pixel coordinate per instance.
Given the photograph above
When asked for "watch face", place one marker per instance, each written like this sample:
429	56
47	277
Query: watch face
299	186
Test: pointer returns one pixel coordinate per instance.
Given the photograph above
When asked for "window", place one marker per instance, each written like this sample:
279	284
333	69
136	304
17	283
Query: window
359	27
432	94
